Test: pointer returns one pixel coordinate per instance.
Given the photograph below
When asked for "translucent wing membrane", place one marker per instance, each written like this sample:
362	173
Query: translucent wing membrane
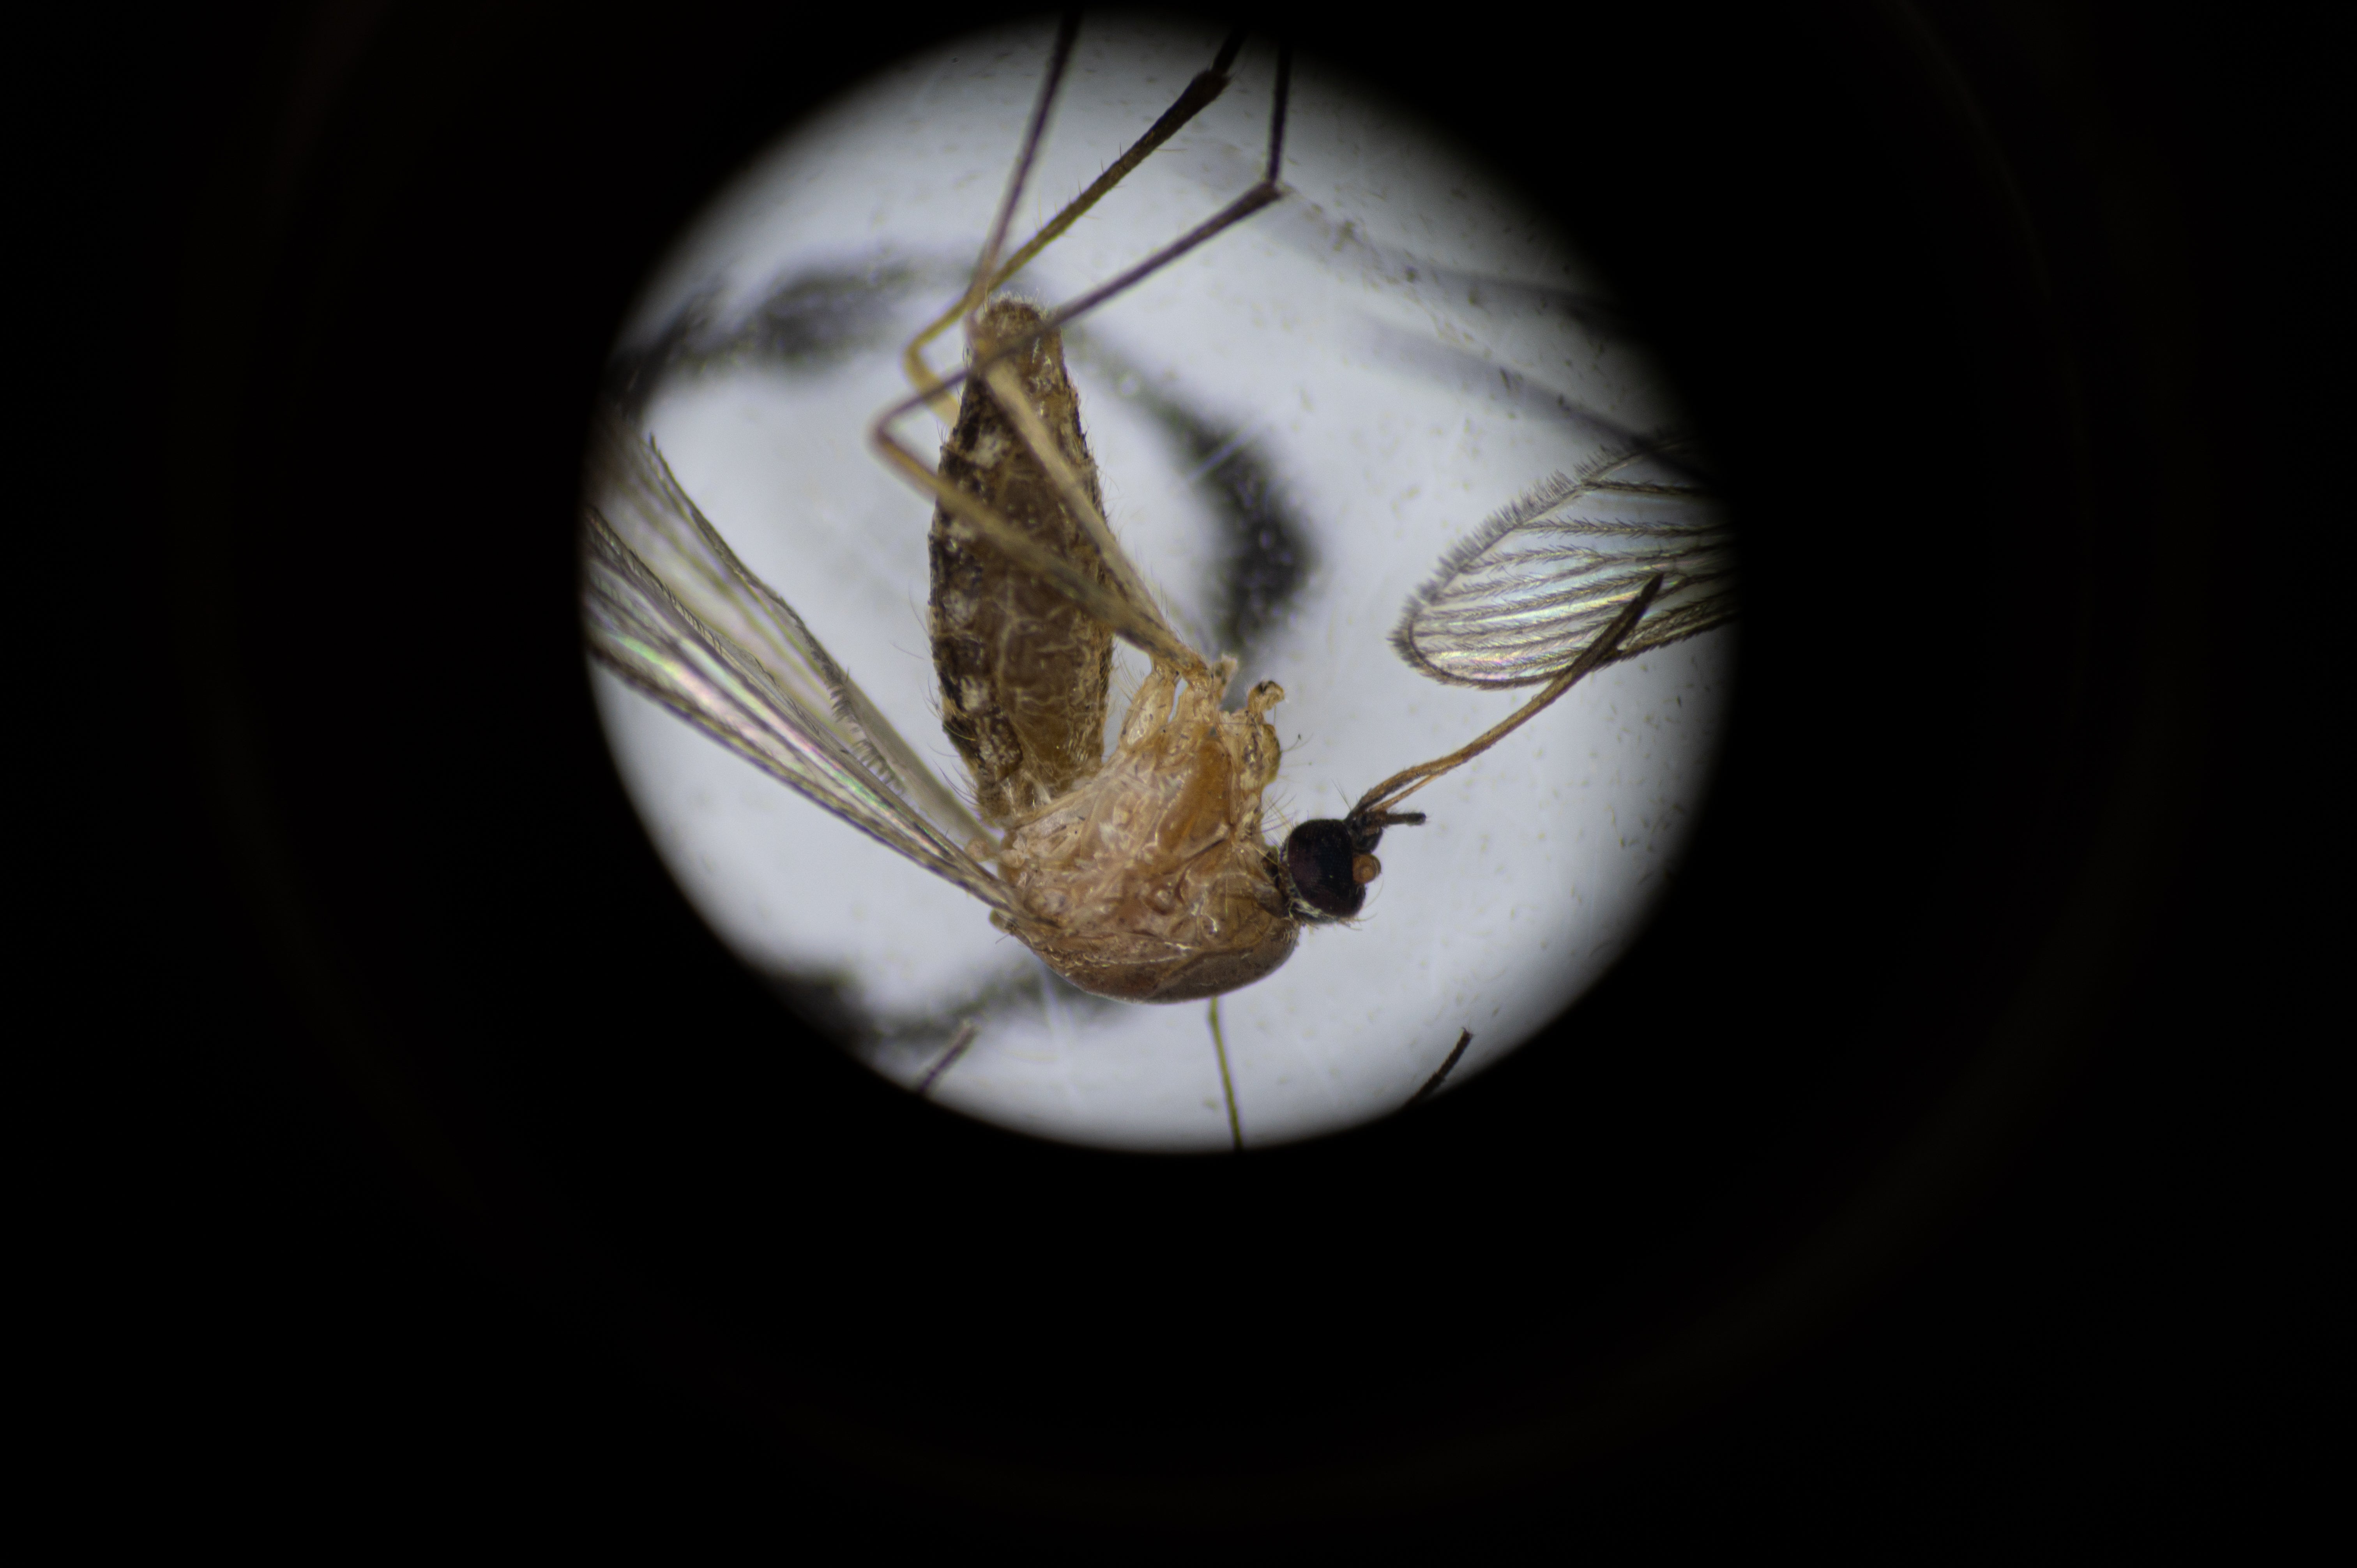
671	610
1525	593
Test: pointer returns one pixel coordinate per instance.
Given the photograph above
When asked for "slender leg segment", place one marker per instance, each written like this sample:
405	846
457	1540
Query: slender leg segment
959	1041
1127	607
1227	1082
1432	1085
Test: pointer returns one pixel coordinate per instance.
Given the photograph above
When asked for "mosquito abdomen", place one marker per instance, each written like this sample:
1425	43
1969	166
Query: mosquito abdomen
1024	671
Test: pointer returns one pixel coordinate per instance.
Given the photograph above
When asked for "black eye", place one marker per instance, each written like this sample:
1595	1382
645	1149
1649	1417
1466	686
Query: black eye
1319	858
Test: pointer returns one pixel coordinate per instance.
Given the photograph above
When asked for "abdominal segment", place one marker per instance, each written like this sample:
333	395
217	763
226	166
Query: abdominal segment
1024	671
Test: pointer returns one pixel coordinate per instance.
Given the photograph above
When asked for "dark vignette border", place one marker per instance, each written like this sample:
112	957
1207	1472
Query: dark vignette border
1954	812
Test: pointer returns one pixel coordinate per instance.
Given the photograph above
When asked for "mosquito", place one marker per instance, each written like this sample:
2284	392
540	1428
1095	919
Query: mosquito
1143	875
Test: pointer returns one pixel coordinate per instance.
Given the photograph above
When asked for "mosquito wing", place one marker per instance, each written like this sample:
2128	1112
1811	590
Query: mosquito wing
1526	592
670	609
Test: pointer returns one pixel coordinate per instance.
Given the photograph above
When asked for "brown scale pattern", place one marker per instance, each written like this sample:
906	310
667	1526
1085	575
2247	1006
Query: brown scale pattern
1025	674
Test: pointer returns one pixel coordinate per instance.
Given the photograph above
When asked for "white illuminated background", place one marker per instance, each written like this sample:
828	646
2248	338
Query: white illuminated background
1400	346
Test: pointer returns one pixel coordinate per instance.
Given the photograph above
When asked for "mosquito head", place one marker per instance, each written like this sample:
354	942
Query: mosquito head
1329	862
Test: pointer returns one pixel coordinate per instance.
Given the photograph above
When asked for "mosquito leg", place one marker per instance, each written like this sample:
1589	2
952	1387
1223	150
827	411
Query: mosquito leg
1267	191
1400	786
959	1041
1007	388
975	520
1227	1083
912	360
1432	1084
1140	622
1207	86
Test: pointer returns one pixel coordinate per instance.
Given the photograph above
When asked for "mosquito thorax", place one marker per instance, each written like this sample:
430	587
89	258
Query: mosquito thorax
1150	882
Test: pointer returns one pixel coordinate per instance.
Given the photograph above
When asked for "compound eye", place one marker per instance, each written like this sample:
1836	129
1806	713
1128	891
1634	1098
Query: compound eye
1328	869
